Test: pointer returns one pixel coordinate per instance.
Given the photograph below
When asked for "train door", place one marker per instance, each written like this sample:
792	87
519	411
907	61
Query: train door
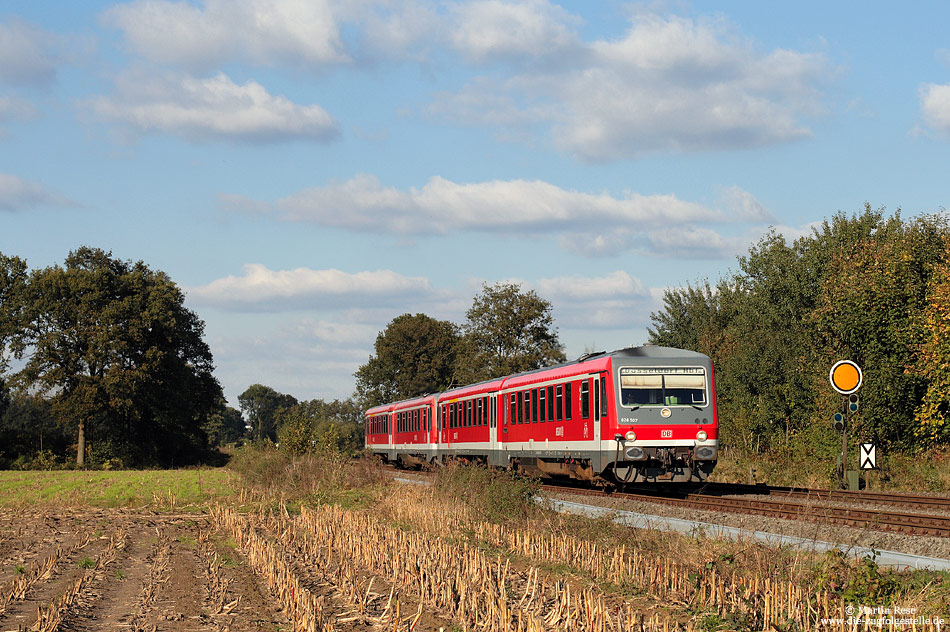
492	428
599	386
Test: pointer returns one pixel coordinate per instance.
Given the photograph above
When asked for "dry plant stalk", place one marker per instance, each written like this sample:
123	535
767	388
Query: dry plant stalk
49	619
20	586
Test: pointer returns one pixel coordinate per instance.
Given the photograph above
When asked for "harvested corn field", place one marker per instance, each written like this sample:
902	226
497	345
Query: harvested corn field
384	556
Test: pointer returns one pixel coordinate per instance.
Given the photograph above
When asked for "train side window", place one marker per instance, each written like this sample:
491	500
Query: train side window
542	405
512	414
550	403
520	407
568	404
585	399
528	399
603	398
560	402
471	412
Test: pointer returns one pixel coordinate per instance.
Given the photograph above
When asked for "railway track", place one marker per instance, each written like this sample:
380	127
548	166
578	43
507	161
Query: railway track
916	501
793	503
880	520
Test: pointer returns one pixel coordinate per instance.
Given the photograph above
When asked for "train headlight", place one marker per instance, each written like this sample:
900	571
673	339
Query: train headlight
631	436
701	435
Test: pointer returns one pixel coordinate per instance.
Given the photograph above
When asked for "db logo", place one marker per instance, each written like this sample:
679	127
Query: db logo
666	434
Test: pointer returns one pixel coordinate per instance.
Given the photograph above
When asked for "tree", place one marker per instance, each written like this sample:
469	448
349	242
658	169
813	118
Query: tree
868	311
261	405
933	415
13	280
224	426
312	426
121	359
861	287
507	331
414	355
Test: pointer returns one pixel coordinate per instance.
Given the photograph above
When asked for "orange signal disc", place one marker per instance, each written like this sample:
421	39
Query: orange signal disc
846	377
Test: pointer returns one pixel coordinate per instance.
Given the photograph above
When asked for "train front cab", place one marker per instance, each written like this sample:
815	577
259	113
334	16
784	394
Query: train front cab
665	426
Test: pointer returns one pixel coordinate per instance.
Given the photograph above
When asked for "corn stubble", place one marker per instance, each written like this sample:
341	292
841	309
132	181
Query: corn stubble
429	557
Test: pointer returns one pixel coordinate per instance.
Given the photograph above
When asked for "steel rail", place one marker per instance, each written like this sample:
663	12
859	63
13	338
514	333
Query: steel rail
907	523
917	501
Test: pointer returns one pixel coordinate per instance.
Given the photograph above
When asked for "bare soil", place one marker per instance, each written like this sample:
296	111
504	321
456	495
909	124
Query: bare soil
91	570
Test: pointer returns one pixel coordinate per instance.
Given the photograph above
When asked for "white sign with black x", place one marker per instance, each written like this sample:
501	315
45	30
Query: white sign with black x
868	458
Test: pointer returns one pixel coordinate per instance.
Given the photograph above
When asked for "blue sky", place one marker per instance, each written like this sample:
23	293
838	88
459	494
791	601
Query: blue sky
307	171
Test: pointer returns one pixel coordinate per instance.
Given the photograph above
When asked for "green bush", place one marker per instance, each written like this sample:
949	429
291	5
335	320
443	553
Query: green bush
500	496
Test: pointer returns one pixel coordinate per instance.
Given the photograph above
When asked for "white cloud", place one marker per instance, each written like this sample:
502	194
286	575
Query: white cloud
670	84
263	289
25	54
935	107
200	109
742	205
17	194
491	30
201	37
691	242
618	284
441	206
615	301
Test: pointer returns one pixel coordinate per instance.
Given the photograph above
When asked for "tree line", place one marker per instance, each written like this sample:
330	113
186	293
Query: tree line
100	359
868	287
507	330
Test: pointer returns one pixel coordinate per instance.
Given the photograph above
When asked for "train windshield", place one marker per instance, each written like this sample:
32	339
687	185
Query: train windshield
669	386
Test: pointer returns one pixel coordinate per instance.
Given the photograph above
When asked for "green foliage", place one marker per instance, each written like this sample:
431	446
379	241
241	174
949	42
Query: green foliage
507	331
321	478
13	282
868	584
933	365
414	355
866	288
119	357
498	496
30	437
316	426
224	426
261	404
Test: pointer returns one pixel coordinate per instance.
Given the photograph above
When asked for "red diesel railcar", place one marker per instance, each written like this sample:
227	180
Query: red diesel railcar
633	415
